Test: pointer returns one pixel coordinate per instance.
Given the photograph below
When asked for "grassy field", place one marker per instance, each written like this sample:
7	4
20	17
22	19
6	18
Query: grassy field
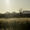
14	19
14	23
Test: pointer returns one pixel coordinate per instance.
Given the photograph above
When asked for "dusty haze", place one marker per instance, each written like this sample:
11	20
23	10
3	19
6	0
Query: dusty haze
13	5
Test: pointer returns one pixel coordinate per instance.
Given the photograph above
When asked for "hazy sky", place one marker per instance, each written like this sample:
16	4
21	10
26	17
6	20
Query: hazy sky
13	5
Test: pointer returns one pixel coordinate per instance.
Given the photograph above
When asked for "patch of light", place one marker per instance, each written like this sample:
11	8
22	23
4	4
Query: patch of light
7	1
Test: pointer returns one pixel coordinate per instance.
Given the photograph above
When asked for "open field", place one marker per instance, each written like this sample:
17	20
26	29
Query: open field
14	23
14	19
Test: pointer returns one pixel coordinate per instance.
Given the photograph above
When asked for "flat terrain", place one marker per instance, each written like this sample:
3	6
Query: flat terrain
14	19
14	23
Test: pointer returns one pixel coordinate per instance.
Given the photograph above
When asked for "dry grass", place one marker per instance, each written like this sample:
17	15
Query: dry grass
14	19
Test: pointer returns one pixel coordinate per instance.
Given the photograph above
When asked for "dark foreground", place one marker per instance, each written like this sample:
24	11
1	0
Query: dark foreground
15	25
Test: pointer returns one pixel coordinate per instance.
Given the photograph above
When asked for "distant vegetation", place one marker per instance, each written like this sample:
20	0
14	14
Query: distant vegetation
14	15
10	15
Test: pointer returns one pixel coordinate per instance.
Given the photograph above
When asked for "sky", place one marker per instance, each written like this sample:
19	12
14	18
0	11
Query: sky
13	5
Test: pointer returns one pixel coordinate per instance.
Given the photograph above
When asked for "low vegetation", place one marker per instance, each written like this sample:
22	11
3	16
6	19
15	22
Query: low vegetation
15	25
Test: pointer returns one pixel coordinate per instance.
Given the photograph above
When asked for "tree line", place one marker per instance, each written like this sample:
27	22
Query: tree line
13	15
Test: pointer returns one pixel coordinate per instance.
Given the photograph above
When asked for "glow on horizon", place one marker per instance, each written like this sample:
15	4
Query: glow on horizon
9	5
